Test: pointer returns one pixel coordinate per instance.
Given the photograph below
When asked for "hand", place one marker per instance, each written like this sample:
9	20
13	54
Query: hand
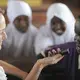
54	52
51	52
50	60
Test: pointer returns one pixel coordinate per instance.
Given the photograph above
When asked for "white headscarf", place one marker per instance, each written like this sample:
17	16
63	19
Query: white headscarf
63	12
16	8
19	40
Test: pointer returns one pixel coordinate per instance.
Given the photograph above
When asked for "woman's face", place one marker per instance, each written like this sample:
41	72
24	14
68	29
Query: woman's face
21	23
58	26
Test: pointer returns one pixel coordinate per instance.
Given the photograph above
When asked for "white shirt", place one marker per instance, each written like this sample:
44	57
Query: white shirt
2	74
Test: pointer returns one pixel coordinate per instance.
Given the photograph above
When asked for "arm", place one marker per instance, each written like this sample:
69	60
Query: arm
40	64
10	69
36	70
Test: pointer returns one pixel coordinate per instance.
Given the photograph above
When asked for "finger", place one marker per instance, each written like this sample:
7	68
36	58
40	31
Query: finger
58	50
57	60
43	54
49	54
53	51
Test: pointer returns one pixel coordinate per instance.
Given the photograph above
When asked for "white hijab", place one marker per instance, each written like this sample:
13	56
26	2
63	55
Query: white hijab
47	36
16	8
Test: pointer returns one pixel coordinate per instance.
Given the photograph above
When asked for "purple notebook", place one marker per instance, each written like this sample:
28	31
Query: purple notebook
66	48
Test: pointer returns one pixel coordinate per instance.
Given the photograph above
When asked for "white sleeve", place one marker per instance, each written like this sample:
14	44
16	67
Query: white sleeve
2	74
42	40
41	43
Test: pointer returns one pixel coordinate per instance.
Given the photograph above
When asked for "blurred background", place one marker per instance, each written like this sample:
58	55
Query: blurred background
39	8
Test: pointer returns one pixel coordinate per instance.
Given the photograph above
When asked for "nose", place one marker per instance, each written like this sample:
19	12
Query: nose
4	35
58	25
23	22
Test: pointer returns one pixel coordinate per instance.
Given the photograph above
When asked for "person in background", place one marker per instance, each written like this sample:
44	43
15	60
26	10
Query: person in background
18	48
77	38
59	29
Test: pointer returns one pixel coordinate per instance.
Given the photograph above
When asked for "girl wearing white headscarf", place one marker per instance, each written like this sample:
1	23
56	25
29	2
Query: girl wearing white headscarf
18	47
46	37
60	16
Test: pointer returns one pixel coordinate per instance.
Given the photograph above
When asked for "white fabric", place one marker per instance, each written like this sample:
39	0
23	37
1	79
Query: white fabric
17	8
2	74
63	12
18	40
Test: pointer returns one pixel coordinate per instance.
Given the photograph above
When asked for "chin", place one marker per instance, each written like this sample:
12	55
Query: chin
59	33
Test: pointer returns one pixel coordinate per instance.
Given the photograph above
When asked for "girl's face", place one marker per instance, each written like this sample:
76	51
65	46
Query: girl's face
21	23
58	26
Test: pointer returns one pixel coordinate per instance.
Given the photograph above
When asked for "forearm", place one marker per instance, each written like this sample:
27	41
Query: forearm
10	69
40	64
35	72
